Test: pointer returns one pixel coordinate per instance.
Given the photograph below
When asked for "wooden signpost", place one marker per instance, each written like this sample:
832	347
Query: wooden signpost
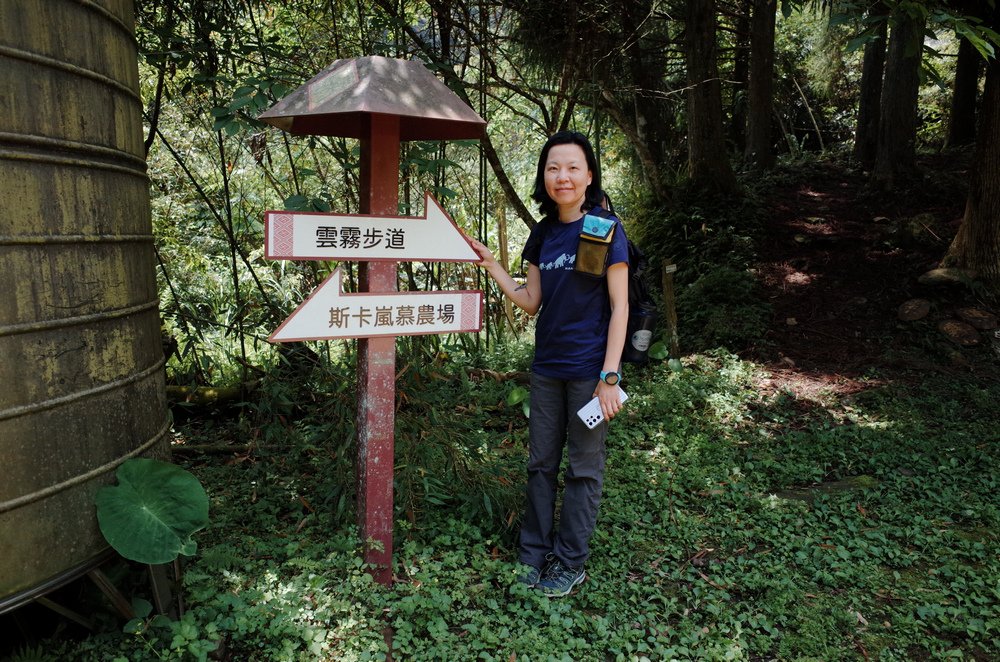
433	237
329	313
380	101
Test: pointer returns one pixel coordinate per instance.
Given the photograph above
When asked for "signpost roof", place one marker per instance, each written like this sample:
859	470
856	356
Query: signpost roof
334	101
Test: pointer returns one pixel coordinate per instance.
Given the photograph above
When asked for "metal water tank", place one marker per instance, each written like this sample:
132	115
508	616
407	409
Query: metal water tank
81	360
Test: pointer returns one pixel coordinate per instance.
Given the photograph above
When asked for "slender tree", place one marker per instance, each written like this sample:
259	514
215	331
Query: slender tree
645	64
741	77
962	119
759	150
708	161
896	154
870	100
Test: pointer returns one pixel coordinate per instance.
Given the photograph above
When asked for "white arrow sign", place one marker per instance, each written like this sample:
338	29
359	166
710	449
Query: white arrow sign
433	237
329	313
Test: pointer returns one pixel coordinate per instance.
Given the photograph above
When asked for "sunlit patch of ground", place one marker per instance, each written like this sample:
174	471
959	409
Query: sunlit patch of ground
819	388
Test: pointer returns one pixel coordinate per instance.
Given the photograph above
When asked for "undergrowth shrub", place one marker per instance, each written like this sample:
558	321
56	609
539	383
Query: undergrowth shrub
736	523
459	448
722	307
712	240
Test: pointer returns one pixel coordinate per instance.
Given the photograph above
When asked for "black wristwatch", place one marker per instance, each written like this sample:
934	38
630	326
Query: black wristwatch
610	377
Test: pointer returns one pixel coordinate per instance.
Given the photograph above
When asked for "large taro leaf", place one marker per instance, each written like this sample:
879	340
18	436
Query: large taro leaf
151	514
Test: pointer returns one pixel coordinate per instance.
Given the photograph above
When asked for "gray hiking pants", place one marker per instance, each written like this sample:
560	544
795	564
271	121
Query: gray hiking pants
552	426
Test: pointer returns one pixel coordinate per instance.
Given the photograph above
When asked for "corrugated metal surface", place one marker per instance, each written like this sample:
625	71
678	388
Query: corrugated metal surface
81	383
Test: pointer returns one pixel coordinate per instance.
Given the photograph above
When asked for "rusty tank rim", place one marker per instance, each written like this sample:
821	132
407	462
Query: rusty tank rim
12	602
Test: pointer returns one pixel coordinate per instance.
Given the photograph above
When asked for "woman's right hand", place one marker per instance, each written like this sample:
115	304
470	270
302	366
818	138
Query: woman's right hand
527	296
486	258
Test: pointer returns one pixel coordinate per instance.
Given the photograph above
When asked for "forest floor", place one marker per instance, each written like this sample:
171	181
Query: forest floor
837	260
840	503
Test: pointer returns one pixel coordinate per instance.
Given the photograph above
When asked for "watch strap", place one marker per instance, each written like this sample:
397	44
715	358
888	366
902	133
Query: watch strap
607	373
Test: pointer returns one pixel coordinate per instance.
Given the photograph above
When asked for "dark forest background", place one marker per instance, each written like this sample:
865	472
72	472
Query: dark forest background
690	104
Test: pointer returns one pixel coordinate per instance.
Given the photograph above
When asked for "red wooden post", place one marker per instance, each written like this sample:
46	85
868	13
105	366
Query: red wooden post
377	356
363	98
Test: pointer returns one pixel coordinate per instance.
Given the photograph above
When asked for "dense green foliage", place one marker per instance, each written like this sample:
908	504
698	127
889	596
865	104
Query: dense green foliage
738	523
614	72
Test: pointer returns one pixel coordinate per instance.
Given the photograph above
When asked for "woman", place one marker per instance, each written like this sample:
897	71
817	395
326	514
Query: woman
579	337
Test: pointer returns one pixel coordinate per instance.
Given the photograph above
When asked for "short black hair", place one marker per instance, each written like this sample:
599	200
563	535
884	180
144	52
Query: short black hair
594	194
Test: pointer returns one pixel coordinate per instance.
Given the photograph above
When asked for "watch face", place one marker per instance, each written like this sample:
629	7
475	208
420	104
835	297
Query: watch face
611	378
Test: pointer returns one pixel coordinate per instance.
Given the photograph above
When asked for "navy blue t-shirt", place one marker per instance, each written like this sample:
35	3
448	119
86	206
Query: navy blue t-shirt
571	334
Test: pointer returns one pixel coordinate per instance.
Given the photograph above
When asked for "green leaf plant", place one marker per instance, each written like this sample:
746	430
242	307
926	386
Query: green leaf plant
153	511
522	395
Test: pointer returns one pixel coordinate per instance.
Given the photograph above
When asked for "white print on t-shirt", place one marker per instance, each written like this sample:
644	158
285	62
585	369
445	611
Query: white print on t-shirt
564	261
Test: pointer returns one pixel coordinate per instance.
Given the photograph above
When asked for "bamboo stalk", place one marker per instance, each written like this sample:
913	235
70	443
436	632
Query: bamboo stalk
508	307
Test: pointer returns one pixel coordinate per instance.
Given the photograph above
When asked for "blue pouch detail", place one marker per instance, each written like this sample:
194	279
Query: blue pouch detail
595	242
597	227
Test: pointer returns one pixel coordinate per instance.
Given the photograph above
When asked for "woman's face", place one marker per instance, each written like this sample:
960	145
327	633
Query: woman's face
567	178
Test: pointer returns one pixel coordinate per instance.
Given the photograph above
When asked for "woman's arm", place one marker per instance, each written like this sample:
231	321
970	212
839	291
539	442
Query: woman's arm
526	296
618	291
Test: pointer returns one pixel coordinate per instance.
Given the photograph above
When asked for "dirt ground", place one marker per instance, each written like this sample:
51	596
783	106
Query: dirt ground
837	261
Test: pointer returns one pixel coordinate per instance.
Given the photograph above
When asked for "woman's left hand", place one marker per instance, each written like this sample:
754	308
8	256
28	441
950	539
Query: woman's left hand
610	399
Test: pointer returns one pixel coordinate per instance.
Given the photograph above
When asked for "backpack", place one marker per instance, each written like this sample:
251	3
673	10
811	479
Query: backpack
642	312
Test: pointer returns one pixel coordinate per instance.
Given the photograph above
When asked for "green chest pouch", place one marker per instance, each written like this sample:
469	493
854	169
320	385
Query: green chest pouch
595	242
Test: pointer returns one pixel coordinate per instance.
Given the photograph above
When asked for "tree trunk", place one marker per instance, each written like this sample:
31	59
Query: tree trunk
866	133
741	78
759	149
976	247
962	123
708	162
896	155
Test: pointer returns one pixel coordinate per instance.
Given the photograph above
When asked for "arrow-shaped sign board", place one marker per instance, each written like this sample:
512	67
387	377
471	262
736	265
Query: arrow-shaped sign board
433	237
330	313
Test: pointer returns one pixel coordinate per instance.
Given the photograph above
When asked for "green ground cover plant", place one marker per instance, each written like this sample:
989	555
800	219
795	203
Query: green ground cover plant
739	522
153	511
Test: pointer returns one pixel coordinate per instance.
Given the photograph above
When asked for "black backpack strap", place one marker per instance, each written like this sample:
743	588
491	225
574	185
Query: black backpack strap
535	239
